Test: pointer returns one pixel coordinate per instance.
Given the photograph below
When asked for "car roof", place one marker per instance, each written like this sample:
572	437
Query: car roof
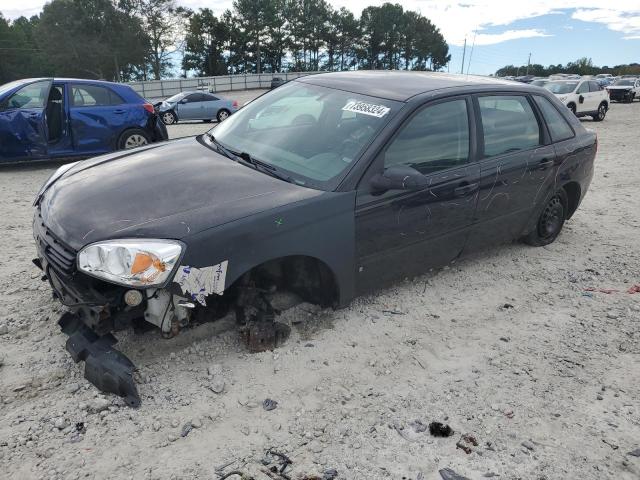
74	80
398	85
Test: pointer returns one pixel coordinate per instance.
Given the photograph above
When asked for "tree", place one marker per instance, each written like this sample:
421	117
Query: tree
163	22
205	43
89	38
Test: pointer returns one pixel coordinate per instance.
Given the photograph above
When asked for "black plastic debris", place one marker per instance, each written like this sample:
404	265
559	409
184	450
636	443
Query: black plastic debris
635	453
466	443
269	404
81	427
105	367
448	474
438	429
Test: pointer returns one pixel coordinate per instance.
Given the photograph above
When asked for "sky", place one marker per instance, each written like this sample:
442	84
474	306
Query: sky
498	32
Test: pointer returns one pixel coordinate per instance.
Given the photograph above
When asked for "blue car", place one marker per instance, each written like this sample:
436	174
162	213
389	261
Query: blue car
48	118
196	106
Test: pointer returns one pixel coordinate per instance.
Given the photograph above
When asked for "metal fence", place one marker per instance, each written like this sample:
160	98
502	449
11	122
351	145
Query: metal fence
158	89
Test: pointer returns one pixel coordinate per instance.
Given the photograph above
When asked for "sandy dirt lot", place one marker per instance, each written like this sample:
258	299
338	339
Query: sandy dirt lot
505	345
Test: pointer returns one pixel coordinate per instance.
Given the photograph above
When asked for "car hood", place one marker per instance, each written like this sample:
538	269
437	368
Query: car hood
168	190
620	87
164	106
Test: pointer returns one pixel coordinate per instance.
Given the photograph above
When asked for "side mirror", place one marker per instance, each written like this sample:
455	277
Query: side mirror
399	177
581	99
183	101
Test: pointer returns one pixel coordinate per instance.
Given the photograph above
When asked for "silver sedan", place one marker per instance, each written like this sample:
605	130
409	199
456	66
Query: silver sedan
196	106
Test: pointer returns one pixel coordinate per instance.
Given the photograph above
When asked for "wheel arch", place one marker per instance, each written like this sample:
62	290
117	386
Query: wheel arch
574	192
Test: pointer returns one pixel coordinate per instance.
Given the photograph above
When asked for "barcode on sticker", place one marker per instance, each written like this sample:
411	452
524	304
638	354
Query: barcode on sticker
366	108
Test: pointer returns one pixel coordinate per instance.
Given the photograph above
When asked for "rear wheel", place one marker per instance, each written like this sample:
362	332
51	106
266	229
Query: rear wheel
223	115
550	222
169	118
133	138
602	112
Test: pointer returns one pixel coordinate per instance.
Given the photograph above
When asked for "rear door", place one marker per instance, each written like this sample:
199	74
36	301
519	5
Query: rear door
98	116
23	129
402	233
596	95
515	162
211	105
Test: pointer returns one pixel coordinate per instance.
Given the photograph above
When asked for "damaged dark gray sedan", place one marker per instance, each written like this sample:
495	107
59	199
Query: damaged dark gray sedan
327	187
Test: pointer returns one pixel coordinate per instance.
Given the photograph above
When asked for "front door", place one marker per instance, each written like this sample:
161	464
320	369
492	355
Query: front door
191	107
23	130
58	125
402	233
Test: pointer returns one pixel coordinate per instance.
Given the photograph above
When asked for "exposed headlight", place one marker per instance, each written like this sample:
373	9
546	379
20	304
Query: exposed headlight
56	175
132	262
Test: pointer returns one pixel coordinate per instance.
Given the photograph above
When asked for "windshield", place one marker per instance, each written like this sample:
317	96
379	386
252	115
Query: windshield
312	134
561	87
625	83
176	98
539	83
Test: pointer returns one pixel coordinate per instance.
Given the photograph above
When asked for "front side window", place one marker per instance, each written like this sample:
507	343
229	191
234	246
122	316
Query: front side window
594	87
93	96
559	128
310	133
33	95
509	124
434	139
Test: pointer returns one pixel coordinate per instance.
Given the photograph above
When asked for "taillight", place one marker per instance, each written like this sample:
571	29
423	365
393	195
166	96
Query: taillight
235	104
148	107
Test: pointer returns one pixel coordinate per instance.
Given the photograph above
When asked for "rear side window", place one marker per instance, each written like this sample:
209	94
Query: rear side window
559	128
436	138
594	87
509	124
93	96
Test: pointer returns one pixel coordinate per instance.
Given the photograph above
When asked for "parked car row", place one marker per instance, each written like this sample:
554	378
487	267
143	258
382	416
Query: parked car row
587	95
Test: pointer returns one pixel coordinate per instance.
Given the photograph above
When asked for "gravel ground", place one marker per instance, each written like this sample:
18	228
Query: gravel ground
506	346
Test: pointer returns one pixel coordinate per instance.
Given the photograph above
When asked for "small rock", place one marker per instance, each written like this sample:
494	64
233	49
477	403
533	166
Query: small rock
528	445
612	315
72	387
186	428
599	397
38	339
448	474
269	404
175	423
156	426
4	329
98	405
196	423
330	474
217	384
635	453
60	423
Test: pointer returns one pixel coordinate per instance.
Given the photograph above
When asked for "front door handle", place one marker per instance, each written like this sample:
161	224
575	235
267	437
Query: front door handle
544	164
466	189
119	111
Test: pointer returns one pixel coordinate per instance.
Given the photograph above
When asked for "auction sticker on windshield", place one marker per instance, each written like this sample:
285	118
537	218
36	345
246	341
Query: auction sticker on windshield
366	108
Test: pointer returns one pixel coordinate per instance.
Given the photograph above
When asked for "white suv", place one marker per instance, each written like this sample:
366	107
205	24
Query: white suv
582	97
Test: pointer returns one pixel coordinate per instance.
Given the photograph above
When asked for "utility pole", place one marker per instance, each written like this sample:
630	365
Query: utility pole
471	53
528	63
464	51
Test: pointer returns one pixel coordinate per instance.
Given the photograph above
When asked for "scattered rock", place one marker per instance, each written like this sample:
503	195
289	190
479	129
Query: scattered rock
448	474
4	329
72	387
269	404
634	453
186	428
528	445
330	474
156	426
217	384
60	423
98	405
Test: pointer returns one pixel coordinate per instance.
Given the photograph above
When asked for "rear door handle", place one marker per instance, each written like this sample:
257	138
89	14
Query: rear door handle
544	164
463	190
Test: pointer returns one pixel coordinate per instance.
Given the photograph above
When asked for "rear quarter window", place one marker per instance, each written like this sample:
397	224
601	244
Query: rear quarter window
559	128
93	96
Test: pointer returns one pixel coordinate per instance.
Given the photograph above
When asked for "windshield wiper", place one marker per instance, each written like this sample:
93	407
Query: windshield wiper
249	160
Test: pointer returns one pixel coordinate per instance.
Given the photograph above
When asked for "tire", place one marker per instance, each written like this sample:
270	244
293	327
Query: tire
550	221
602	112
223	114
572	107
133	138
169	118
